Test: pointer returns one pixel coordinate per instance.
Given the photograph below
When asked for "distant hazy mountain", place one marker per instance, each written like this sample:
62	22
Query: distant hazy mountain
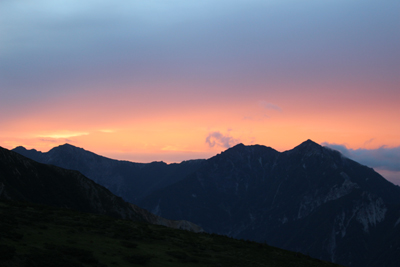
309	199
23	179
129	180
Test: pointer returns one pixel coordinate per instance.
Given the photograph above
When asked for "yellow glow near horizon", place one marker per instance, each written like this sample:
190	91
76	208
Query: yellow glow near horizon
174	130
63	135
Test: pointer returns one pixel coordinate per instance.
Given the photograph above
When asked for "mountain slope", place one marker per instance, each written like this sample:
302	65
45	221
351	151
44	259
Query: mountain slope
309	199
23	179
129	180
37	235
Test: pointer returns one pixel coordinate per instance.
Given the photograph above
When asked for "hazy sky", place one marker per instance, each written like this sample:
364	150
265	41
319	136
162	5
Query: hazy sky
147	80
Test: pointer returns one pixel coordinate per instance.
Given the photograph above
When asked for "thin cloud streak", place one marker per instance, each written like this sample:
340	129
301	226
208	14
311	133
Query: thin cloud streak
63	135
56	140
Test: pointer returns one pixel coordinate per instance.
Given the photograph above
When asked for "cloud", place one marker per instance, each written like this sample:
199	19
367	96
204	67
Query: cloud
63	135
341	148
267	105
368	142
54	140
217	138
383	158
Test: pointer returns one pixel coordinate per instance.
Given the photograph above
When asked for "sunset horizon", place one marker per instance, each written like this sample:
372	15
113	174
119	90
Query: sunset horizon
155	81
372	157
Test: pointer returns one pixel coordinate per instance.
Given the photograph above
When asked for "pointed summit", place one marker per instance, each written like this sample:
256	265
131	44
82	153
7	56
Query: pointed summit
309	144
308	147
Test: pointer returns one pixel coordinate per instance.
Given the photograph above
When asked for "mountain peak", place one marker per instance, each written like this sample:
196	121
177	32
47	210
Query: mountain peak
237	147
66	147
308	147
240	145
21	148
27	152
309	144
240	151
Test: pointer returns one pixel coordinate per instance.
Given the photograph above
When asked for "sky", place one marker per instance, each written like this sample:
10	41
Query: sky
152	80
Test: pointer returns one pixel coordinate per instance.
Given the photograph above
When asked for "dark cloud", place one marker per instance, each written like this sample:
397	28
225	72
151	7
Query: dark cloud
217	138
383	158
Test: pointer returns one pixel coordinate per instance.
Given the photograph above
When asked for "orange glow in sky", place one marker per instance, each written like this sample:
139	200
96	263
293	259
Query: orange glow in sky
174	134
146	81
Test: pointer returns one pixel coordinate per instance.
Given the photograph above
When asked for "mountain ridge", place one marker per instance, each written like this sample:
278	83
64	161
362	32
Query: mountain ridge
309	199
23	179
264	195
126	179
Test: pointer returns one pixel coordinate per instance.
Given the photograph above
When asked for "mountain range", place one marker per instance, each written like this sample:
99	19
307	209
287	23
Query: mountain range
129	180
41	226
23	179
309	199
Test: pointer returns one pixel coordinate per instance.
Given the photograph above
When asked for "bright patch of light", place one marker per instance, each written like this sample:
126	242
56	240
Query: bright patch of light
63	135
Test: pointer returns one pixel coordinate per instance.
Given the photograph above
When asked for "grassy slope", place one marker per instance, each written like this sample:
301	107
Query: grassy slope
34	235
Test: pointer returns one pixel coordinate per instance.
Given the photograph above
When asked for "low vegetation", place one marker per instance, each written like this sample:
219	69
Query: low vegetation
35	235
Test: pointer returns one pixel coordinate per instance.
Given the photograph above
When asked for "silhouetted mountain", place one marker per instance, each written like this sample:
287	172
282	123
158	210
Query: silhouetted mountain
129	180
23	179
309	199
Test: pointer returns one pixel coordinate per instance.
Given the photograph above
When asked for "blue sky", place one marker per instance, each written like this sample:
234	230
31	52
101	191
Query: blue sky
162	80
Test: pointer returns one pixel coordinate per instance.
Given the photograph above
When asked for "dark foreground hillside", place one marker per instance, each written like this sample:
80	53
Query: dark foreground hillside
22	179
35	235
